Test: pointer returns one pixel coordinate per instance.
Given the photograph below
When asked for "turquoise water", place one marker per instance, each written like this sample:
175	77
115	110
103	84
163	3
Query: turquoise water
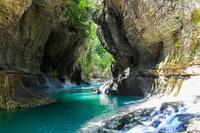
74	108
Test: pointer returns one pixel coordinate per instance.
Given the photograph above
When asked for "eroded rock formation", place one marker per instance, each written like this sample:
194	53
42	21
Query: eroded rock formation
38	42
154	44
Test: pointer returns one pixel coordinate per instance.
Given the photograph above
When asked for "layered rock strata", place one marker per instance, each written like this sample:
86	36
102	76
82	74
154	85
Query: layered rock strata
155	44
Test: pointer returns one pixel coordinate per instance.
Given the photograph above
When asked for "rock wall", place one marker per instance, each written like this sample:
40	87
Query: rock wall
154	44
38	42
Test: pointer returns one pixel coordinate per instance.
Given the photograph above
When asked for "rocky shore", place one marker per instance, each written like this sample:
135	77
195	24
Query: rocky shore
151	115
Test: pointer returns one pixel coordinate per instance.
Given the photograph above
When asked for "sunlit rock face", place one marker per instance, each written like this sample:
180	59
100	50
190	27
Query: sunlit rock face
156	40
37	40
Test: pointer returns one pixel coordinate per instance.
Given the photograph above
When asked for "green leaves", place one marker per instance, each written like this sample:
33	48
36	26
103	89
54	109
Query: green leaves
96	59
81	12
93	59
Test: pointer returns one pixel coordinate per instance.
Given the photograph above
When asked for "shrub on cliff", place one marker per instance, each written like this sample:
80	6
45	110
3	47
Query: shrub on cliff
94	59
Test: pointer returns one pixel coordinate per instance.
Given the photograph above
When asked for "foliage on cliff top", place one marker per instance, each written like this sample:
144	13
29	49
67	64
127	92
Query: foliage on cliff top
95	61
80	12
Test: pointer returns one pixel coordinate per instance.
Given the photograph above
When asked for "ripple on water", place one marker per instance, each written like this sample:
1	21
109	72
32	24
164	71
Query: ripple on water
75	107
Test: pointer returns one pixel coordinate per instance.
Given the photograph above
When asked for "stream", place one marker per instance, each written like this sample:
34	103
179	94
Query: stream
75	107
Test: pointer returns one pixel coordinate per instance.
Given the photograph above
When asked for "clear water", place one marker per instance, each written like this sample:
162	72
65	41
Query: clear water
74	108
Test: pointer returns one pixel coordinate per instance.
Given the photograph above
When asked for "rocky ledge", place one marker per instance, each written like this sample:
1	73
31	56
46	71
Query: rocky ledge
150	116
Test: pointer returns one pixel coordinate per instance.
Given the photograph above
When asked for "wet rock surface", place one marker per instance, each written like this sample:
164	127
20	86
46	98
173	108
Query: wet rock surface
169	117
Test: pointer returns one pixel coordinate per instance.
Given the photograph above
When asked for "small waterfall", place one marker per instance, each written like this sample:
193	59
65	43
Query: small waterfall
166	117
154	115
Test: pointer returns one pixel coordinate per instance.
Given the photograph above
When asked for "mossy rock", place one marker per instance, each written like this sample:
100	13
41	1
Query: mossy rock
196	16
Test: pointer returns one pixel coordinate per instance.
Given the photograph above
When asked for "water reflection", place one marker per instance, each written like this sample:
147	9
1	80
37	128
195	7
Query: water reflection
112	102
74	107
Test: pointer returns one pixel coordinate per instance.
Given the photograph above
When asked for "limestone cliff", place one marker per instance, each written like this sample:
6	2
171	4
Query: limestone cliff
155	44
38	42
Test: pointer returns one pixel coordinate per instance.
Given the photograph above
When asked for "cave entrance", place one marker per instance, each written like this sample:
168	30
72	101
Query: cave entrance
79	56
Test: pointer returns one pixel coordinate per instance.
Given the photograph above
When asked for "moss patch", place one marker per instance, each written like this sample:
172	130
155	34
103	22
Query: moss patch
196	16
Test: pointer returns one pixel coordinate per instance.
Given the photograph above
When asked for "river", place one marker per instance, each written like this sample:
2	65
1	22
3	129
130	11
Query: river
75	106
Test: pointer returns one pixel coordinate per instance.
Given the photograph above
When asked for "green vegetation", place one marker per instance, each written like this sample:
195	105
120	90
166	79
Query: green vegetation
95	61
196	16
80	12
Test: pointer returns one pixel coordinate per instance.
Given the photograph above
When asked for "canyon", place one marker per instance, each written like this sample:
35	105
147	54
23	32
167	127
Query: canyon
155	45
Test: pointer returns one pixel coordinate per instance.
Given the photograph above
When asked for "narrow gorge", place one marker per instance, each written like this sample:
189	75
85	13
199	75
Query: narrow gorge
150	53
